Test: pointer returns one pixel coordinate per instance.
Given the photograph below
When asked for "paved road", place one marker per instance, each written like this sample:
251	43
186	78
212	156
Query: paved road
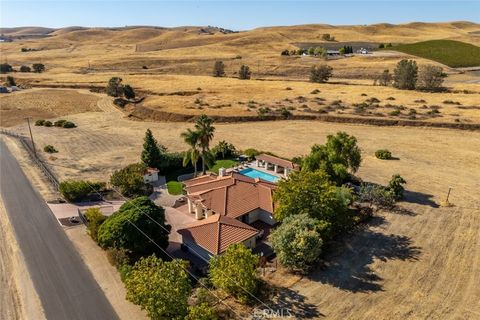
65	286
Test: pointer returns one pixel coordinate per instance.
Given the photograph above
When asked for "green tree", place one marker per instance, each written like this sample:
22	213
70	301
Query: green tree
95	219
129	179
11	81
205	131
218	69
244	72
128	92
314	194
298	241
114	87
376	195
320	73
381	46
339	155
192	155
151	155
38	67
122	229
224	149
25	69
342	51
396	186
202	311
161	288
431	78
405	74
235	272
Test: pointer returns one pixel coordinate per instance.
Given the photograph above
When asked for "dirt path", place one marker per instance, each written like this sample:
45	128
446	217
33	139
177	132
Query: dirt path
18	298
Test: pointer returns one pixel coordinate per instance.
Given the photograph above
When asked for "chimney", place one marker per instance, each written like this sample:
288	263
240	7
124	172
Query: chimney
222	172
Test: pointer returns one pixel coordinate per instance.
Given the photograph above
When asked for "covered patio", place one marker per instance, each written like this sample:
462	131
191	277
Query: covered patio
275	164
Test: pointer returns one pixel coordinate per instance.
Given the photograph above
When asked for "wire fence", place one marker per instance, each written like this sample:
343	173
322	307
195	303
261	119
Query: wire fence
28	146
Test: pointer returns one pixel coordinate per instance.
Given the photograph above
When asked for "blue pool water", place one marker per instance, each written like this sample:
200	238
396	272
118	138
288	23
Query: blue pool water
252	173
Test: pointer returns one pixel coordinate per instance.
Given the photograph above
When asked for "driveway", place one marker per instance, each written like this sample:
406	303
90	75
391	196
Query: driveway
178	219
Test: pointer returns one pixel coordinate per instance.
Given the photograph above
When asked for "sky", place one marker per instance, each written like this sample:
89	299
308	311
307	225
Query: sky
236	15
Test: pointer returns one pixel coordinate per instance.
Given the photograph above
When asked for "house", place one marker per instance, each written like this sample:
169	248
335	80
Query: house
231	208
213	235
150	175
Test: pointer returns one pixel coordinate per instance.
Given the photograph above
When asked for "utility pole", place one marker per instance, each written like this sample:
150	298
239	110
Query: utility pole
31	137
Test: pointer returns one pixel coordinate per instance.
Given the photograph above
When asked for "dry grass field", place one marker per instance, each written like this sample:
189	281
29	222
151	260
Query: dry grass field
422	265
43	104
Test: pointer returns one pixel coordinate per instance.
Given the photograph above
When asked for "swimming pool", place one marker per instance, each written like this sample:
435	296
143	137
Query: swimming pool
252	173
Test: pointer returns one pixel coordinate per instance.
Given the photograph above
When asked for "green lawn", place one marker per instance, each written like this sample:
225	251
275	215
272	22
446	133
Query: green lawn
226	163
452	53
174	187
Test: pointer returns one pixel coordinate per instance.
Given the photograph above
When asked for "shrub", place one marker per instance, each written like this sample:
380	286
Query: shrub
68	125
316	91
50	149
244	72
59	123
394	112
202	311
94	219
320	73
285	52
25	69
383	154
298	241
396	186
5	67
430	78
48	123
128	92
218	69
75	190
384	79
405	74
224	150
285	113
129	180
390	98
38	67
118	257
11	81
327	37
144	67
40	122
288	88
376	195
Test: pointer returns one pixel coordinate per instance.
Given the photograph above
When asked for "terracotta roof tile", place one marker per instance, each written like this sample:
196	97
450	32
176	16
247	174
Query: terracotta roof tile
275	160
217	232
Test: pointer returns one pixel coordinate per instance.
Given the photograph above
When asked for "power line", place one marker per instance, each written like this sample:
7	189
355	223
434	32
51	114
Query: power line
171	257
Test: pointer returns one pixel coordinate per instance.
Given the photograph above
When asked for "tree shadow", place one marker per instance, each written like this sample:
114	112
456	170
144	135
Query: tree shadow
419	198
348	266
287	302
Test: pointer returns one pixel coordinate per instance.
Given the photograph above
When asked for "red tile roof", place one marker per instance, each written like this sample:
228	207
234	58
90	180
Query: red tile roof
217	232
275	160
233	195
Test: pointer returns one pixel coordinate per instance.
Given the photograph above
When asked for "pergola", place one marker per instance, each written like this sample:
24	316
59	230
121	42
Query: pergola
275	164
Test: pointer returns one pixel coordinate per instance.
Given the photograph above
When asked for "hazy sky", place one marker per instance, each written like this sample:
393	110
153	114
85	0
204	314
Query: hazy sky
237	15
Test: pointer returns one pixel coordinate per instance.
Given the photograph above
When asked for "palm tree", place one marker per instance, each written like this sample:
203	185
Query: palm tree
205	131
192	155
